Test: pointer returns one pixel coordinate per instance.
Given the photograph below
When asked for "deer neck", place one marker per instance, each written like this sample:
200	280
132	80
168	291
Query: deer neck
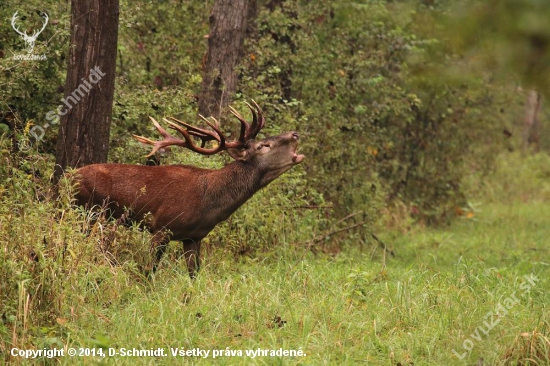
228	188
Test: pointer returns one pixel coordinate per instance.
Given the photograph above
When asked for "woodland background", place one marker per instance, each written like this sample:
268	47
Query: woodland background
413	115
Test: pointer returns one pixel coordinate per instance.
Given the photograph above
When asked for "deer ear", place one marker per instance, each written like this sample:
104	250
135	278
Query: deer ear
238	154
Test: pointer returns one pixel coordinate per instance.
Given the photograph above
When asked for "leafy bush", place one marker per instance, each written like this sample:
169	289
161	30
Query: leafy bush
375	132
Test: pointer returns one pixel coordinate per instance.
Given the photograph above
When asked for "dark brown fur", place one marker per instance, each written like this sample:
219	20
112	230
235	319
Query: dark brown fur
185	203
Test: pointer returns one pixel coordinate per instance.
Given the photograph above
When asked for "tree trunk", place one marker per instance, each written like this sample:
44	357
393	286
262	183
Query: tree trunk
87	106
228	25
531	126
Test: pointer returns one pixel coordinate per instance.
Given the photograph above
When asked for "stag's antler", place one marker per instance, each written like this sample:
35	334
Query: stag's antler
248	132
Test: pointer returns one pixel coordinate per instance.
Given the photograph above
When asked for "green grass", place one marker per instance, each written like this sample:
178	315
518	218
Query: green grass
357	307
346	310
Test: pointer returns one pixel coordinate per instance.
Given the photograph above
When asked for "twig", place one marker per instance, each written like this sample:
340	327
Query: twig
382	245
312	207
321	237
348	217
101	316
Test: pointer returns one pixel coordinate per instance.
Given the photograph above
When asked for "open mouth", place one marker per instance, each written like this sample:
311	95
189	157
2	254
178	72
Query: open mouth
297	159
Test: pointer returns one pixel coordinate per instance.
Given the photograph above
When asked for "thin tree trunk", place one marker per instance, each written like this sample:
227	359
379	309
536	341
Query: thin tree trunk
531	126
87	106
228	25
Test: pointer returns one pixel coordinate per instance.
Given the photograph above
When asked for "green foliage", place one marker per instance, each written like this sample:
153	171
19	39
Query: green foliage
375	132
30	89
509	39
514	178
339	73
161	46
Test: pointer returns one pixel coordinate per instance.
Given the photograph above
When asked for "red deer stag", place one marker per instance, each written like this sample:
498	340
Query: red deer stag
185	203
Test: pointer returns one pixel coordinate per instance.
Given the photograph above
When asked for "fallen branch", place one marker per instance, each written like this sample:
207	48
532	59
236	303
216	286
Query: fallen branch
322	237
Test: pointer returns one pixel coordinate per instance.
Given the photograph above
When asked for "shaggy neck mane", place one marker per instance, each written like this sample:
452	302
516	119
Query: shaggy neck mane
228	188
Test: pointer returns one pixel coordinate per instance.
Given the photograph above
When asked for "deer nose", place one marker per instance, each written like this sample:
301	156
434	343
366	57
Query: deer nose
295	135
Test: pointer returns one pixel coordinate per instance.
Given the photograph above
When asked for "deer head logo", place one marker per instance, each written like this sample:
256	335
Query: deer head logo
29	40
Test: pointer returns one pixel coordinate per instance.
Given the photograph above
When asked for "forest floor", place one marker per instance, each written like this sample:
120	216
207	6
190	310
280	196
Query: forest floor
477	290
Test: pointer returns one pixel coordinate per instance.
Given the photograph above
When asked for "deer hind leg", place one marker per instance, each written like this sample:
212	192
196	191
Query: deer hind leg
191	253
159	243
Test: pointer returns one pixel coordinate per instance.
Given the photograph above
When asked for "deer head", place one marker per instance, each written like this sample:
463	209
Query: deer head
30	40
273	155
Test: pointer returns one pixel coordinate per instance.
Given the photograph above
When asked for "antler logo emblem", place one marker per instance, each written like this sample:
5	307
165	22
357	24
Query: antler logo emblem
29	40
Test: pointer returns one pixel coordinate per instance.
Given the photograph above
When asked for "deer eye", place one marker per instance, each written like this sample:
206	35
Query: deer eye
259	147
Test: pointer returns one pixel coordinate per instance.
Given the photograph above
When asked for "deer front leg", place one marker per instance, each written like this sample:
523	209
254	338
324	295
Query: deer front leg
192	250
159	242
